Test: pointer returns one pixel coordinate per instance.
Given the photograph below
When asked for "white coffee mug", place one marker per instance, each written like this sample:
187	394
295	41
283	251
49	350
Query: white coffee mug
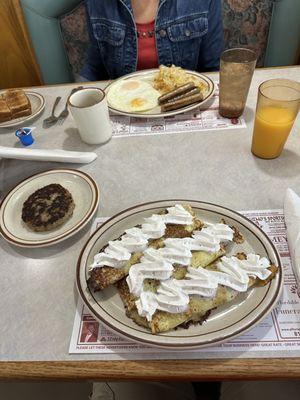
89	109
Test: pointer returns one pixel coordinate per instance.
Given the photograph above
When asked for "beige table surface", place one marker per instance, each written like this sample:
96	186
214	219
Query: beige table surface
37	293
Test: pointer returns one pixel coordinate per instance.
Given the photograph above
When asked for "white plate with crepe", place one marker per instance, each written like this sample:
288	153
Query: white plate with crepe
83	189
148	76
37	102
224	323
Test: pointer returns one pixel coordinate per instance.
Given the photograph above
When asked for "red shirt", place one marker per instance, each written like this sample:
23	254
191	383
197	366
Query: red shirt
147	52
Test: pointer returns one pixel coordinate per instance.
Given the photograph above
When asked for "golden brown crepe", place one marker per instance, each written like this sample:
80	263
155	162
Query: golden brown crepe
102	277
199	307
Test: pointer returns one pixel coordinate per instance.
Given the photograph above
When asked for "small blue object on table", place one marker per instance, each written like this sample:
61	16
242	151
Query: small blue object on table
25	136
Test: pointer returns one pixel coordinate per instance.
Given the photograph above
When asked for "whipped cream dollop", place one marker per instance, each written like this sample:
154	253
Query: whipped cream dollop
222	231
169	297
135	240
115	255
154	227
204	240
118	252
253	265
198	282
179	250
233	273
160	270
178	215
176	251
156	264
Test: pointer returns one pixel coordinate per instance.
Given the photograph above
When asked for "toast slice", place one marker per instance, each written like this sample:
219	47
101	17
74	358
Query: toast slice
18	102
23	113
5	113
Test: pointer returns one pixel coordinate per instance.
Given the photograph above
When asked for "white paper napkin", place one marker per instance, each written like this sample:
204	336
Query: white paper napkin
56	155
292	221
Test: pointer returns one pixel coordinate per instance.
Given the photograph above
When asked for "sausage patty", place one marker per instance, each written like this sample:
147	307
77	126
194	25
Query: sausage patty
48	208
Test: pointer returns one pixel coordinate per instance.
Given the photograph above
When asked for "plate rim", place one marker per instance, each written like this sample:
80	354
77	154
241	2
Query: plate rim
166	113
14	123
72	231
182	346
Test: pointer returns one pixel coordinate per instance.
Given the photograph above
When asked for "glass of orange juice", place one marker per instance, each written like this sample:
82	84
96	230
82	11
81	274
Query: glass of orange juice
277	107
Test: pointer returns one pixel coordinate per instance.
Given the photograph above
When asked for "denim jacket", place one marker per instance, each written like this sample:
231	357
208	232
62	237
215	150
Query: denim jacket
189	33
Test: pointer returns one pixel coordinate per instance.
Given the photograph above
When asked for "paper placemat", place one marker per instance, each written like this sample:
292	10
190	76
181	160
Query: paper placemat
278	333
195	120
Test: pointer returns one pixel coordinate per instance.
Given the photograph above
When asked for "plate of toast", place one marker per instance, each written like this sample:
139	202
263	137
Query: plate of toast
18	106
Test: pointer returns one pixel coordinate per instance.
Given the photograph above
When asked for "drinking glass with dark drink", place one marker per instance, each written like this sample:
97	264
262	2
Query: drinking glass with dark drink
236	70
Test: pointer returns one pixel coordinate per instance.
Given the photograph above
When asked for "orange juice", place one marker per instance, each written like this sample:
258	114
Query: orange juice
271	129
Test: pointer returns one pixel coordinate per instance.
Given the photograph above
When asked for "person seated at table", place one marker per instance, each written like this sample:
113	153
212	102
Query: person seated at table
130	35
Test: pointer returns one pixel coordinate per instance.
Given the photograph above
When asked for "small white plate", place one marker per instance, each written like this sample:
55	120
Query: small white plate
224	323
37	102
84	191
148	76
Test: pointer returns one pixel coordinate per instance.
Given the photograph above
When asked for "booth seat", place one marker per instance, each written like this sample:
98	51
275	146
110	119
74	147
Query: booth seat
59	36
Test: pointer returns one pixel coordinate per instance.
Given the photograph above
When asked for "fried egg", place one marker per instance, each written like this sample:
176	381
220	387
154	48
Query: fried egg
132	95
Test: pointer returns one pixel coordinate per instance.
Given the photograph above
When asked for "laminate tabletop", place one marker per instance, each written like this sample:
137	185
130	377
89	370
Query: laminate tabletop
38	296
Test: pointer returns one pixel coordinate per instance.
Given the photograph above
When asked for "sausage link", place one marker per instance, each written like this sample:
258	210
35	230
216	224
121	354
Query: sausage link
196	90
185	101
176	92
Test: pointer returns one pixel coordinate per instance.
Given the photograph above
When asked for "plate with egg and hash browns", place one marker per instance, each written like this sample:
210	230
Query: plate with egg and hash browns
18	106
156	93
208	319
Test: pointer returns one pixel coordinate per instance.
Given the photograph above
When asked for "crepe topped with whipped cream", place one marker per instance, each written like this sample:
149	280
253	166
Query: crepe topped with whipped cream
173	269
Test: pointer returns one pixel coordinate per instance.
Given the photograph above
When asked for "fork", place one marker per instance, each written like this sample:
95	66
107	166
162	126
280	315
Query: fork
65	112
52	119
